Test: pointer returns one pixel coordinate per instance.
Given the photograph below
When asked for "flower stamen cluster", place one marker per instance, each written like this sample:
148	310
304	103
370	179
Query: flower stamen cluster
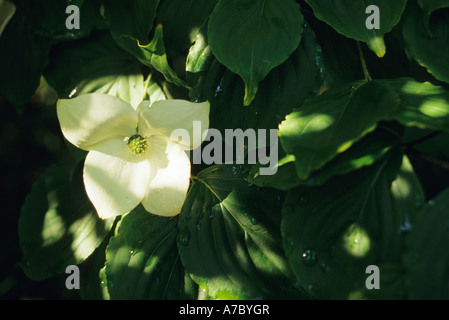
137	144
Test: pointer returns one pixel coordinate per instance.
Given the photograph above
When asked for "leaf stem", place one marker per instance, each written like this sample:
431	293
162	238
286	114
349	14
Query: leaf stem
362	60
423	139
442	164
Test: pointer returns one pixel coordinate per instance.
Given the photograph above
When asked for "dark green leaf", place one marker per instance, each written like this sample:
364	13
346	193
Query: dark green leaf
152	55
142	261
229	238
48	18
429	6
95	64
284	179
58	225
427	258
430	50
329	124
333	232
23	56
182	21
349	18
251	37
284	88
133	19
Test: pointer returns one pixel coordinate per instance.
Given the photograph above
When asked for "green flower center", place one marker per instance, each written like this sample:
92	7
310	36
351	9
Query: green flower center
137	144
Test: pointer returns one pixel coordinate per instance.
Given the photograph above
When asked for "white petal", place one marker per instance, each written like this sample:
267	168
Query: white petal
165	116
169	178
115	179
93	118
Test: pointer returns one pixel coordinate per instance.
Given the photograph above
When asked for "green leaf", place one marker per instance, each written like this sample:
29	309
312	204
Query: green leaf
48	18
229	238
330	123
58	225
427	258
198	63
284	179
132	19
182	21
285	87
363	153
7	11
435	147
422	104
337	71
92	280
152	55
23	56
430	50
429	6
251	37
333	232
142	261
349	17
95	64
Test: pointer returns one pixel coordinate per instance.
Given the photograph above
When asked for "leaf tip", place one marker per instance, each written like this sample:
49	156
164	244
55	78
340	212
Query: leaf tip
377	45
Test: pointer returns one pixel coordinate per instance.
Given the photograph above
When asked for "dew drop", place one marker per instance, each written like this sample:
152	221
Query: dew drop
254	220
309	257
210	214
184	237
218	89
199	218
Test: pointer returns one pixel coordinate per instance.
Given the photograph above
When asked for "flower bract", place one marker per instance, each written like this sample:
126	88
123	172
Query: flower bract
132	158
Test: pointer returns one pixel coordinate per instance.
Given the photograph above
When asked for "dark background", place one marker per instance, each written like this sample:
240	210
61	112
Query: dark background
29	143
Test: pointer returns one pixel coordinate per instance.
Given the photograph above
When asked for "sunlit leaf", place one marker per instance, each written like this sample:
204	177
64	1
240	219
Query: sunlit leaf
229	239
363	153
333	232
7	10
58	225
142	261
329	124
422	104
152	55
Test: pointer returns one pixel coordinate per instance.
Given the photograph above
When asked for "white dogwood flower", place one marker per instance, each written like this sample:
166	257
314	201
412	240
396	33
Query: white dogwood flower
131	157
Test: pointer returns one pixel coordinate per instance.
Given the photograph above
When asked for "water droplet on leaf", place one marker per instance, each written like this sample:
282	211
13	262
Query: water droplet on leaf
184	237
254	220
309	257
